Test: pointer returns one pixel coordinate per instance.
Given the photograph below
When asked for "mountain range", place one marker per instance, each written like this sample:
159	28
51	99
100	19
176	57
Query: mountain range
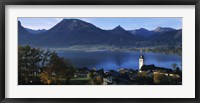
70	32
36	31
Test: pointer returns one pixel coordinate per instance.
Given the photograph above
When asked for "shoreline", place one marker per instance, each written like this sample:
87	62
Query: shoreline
98	48
91	49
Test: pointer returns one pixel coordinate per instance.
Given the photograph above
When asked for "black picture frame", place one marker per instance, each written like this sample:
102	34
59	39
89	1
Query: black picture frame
3	3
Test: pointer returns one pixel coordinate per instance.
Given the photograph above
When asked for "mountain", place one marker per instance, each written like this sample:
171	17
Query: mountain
162	30
122	37
36	31
178	34
23	35
71	32
166	36
161	36
73	25
141	32
119	28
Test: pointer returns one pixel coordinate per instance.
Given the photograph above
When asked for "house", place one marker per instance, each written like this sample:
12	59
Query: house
81	74
108	80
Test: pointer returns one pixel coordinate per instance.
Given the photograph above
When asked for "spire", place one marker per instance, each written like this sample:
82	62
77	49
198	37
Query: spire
140	51
141	55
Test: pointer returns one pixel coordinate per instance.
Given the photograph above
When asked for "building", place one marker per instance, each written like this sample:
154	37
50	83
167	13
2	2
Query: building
141	62
81	74
148	68
108	80
152	68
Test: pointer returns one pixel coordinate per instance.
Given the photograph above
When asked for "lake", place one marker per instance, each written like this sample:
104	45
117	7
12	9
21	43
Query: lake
118	59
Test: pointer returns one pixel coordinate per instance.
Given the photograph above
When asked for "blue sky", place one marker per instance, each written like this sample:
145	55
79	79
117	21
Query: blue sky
107	23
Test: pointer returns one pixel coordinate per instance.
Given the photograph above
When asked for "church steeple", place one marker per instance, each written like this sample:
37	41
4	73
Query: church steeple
141	56
141	61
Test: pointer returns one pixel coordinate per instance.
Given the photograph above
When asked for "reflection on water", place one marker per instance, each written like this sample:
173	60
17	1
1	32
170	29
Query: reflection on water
116	59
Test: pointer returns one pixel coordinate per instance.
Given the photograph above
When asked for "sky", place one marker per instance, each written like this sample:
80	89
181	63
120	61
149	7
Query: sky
107	23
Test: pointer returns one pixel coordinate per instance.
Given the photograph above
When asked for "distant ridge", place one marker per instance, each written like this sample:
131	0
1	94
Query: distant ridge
71	32
36	31
24	36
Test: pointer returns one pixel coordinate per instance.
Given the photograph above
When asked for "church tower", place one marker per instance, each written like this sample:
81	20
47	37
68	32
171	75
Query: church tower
141	62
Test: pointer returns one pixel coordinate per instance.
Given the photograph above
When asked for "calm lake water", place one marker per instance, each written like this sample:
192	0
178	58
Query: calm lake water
117	59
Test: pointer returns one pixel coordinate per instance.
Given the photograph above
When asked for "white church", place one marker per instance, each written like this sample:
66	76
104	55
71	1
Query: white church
141	62
152	66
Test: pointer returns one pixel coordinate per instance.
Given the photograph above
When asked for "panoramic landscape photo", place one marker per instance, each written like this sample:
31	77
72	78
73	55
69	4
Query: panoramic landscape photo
99	51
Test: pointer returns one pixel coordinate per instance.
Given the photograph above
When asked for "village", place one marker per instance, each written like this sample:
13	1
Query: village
145	75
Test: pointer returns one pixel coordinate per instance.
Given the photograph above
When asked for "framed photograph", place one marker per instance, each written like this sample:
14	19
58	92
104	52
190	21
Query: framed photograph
100	51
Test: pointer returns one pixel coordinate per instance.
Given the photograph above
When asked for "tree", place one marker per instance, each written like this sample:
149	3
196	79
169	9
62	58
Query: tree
38	66
57	70
45	58
46	77
179	72
28	64
23	70
98	81
174	65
